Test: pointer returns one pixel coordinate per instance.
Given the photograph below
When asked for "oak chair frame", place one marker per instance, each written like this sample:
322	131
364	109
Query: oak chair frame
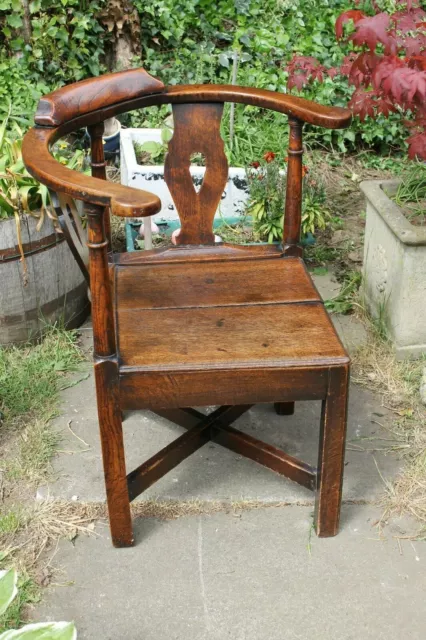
197	109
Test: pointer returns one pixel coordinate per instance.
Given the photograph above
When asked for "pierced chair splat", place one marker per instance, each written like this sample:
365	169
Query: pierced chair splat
223	325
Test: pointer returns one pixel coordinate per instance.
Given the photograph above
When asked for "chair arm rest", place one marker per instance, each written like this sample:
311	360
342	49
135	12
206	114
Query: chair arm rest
83	97
123	201
305	110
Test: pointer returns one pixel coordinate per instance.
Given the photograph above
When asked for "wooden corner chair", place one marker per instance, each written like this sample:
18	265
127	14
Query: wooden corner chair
198	324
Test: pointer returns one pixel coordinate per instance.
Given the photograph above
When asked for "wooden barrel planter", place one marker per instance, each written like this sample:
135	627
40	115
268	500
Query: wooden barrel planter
46	288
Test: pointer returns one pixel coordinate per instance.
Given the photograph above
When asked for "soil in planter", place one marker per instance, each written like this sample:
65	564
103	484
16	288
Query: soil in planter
415	212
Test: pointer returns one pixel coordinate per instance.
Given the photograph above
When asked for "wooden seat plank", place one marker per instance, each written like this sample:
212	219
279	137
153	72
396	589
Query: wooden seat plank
275	335
186	285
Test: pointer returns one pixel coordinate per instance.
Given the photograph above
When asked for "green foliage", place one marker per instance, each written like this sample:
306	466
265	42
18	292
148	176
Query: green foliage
267	185
20	90
346	298
30	376
67	40
8	588
190	41
413	185
152	152
38	631
19	192
10	523
267	192
265	35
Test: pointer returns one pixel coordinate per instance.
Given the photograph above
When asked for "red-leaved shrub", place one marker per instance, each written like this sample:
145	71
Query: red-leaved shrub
387	67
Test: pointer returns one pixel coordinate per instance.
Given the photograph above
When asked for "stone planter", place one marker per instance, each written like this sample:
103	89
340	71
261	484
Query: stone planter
394	278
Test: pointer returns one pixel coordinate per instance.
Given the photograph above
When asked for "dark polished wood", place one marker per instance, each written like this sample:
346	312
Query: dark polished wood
293	200
284	408
98	165
168	458
107	382
246	445
123	201
331	456
161	389
199	324
196	130
88	95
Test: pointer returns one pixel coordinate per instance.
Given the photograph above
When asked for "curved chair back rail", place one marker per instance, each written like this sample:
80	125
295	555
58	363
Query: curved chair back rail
83	97
90	102
64	106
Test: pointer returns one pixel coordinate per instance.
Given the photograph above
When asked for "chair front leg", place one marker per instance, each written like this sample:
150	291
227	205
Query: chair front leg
111	433
107	383
332	453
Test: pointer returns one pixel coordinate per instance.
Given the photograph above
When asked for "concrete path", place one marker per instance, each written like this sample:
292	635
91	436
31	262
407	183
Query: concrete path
250	575
245	577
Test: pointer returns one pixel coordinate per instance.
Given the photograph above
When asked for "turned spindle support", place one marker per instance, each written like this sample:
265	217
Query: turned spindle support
293	202
98	165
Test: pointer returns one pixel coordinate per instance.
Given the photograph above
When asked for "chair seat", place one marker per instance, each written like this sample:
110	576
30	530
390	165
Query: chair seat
222	316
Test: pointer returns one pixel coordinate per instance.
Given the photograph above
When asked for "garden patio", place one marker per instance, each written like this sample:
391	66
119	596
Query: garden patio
223	547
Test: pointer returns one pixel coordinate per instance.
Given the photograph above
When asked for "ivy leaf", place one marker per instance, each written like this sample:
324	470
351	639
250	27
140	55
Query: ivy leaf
35	6
14	21
223	60
166	134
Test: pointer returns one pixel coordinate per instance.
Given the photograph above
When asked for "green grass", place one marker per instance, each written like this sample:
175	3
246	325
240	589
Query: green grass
30	376
37	444
347	297
30	380
256	131
10	521
28	593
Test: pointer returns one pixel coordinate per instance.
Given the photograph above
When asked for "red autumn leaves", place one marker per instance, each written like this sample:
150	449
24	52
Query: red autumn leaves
269	157
389	73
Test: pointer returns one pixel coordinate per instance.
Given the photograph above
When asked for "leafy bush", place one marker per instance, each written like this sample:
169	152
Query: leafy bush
66	42
19	192
20	90
387	66
187	41
265	35
267	193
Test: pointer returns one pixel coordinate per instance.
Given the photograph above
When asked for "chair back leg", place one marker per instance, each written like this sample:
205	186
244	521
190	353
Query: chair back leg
284	408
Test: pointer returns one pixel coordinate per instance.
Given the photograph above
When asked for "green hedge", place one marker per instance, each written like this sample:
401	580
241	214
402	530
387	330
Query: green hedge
185	41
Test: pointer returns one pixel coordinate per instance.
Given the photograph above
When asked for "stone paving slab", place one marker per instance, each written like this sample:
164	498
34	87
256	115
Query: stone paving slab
214	473
245	577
